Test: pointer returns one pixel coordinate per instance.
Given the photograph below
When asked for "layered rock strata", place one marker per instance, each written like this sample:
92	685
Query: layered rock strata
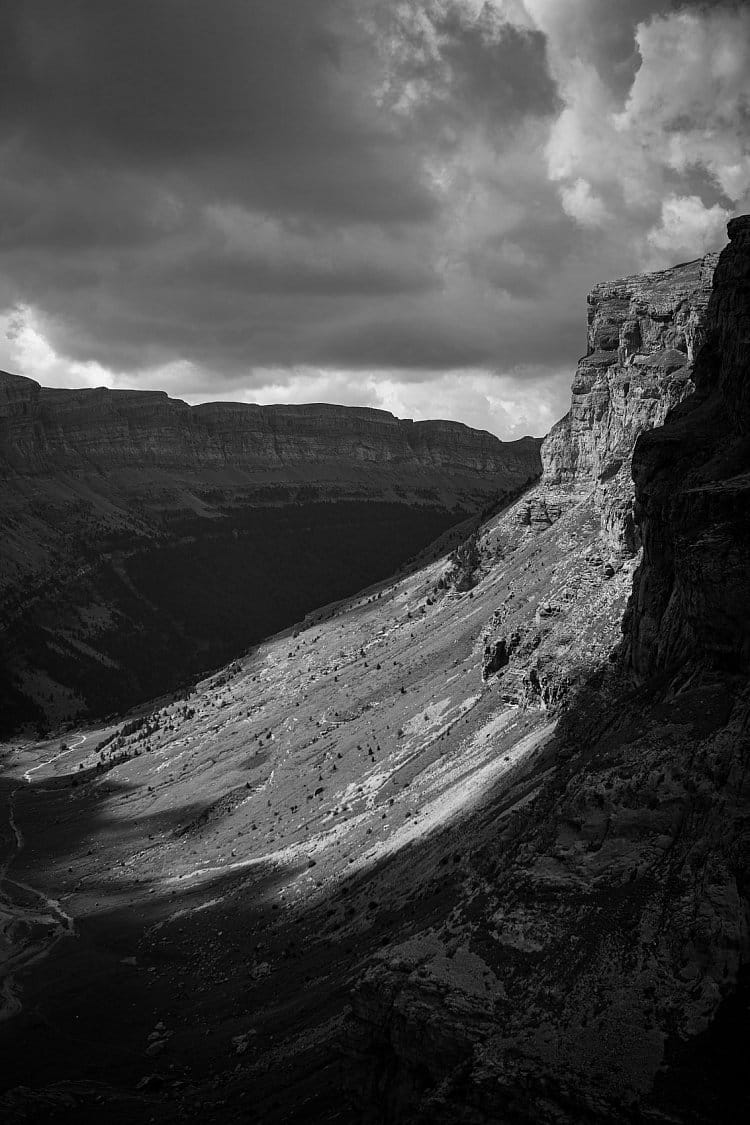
43	430
643	335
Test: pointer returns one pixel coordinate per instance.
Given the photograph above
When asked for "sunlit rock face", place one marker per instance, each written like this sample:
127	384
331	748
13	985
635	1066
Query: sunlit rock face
133	523
643	335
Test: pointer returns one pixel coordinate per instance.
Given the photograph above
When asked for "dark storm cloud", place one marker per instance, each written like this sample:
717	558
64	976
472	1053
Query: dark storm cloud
123	124
472	71
248	101
603	33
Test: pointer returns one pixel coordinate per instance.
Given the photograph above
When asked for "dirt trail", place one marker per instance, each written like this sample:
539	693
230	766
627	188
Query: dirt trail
55	757
31	923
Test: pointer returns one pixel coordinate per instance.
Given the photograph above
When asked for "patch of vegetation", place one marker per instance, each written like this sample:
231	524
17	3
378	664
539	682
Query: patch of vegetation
464	564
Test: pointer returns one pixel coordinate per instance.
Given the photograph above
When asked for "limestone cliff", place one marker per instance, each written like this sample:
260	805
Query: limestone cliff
643	333
44	430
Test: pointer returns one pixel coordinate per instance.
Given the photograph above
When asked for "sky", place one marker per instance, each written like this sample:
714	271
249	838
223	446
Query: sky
388	203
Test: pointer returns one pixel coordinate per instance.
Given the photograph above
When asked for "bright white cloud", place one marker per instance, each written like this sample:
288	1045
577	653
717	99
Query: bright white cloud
686	115
687	227
581	204
507	404
511	404
690	101
25	350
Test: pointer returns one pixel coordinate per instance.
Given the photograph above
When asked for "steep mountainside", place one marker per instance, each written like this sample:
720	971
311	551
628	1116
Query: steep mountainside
610	916
144	540
457	850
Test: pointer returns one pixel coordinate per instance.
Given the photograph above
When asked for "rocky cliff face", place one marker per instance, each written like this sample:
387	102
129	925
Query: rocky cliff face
643	335
44	430
132	523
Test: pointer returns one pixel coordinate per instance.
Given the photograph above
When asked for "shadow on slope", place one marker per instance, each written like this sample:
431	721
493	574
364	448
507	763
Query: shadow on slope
135	622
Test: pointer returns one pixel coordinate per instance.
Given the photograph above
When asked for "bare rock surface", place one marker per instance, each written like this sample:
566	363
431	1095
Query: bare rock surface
44	430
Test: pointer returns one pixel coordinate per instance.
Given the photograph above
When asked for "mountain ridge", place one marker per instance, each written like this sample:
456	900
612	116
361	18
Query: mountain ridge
37	423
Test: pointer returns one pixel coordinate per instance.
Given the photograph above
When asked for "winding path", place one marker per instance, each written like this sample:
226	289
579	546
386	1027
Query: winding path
54	758
31	923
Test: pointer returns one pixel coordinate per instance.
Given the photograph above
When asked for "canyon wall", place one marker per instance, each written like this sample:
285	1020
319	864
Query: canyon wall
44	430
144	540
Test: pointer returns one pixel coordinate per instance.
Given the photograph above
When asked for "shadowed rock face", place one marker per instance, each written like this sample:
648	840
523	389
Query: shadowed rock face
691	600
44	430
145	540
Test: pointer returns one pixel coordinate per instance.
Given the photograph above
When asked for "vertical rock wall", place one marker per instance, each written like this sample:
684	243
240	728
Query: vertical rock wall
643	335
691	602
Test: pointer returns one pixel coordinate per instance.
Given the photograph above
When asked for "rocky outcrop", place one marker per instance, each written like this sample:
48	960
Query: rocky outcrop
133	522
643	335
